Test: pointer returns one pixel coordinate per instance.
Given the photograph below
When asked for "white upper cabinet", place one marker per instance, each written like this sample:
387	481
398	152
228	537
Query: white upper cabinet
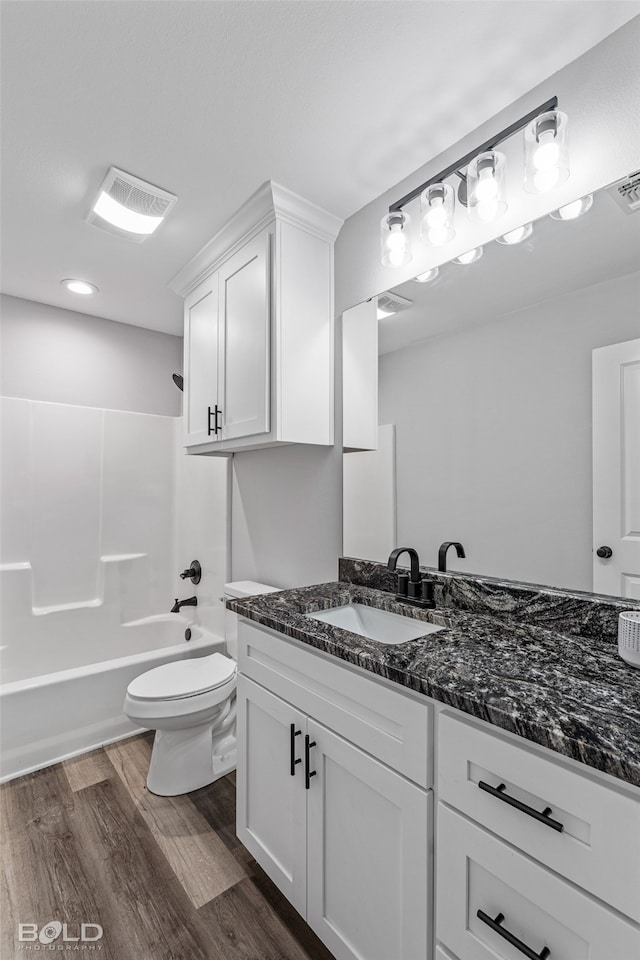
258	334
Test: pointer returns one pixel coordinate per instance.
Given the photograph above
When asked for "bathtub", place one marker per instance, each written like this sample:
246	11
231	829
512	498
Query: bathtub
60	699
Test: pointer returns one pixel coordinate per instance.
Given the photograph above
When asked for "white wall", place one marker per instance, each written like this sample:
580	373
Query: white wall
68	357
600	92
493	436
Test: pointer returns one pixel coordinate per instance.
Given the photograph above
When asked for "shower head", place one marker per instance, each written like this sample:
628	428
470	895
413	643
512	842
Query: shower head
178	380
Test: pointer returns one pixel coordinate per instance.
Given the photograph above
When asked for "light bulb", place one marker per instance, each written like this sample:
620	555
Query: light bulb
547	153
80	286
395	240
438	236
469	257
396	256
487	188
517	235
428	276
437	215
571	211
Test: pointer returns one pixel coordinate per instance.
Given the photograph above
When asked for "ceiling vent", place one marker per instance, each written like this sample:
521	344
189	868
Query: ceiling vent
626	193
390	303
129	207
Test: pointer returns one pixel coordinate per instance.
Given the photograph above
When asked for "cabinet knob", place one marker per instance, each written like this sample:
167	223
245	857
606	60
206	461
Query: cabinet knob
604	552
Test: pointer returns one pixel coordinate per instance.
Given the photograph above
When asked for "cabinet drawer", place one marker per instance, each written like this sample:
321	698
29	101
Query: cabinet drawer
394	728
478	872
599	845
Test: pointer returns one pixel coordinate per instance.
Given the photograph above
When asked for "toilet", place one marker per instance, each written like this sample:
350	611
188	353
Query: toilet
191	705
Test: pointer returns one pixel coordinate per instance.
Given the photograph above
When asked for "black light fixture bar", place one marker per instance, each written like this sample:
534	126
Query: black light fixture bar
464	161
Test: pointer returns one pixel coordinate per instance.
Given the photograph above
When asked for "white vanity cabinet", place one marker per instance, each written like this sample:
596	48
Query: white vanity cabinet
258	328
344	836
535	852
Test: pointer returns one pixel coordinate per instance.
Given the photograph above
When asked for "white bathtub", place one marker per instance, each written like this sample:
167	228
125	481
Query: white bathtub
51	708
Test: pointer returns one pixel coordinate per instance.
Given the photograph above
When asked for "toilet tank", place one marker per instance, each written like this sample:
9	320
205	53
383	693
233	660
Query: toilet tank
236	590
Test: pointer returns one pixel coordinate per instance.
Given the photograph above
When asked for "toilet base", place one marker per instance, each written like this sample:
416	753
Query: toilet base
186	760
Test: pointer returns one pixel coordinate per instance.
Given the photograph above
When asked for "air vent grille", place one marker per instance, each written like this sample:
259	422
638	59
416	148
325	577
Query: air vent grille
390	303
137	196
626	192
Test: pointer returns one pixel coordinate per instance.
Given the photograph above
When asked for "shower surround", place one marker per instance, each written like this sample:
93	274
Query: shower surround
99	511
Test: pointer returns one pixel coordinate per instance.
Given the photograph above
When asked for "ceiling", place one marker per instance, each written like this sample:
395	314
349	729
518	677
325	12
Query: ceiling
559	258
335	100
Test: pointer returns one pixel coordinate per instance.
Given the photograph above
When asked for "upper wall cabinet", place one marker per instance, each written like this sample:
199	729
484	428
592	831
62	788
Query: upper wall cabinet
258	328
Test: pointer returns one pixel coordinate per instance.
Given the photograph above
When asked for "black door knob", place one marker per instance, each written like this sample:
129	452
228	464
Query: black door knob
604	552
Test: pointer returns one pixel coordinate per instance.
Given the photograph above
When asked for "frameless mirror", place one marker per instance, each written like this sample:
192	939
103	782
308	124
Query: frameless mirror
509	393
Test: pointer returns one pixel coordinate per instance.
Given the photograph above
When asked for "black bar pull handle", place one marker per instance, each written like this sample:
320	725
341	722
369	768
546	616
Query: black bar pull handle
215	413
218	413
308	743
543	817
293	734
510	938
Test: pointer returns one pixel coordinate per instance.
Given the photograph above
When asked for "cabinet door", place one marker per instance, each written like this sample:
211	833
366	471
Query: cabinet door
369	855
271	802
201	363
245	314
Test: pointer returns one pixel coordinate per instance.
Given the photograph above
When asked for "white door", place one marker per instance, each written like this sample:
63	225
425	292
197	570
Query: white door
245	316
369	854
201	364
271	799
616	469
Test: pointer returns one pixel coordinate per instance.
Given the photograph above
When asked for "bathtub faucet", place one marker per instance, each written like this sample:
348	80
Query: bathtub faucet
191	602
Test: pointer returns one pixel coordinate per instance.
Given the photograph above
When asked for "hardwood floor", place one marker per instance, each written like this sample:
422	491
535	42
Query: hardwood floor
166	877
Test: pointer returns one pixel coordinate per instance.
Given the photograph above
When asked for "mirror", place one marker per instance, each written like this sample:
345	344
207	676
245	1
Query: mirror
485	391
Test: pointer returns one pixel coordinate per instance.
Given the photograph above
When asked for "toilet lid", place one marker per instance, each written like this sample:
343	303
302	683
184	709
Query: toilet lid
183	678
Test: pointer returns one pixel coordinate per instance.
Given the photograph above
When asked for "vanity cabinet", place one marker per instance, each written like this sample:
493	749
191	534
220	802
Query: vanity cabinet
534	850
258	329
343	835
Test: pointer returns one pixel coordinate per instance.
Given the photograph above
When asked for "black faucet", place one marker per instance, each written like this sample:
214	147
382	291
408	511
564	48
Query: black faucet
442	553
191	602
416	590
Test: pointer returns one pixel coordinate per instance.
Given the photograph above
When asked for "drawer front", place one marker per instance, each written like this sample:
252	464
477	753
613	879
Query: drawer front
495	904
390	726
599	845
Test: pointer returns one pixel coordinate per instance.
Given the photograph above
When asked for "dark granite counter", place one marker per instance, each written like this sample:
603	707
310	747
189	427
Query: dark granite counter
565	691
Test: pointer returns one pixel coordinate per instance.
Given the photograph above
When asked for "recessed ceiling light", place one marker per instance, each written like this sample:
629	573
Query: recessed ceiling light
469	257
571	211
80	286
129	206
517	235
428	277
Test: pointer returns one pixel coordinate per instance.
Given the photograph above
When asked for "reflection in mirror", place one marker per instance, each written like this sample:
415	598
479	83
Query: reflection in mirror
487	376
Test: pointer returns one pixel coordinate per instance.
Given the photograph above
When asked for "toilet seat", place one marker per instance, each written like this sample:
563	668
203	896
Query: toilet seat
182	679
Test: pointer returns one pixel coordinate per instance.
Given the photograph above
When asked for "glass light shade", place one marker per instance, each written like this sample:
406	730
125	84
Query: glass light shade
517	235
571	211
428	276
80	286
469	257
437	204
487	186
395	239
546	153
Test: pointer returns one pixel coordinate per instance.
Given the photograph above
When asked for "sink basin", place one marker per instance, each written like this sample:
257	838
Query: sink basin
379	625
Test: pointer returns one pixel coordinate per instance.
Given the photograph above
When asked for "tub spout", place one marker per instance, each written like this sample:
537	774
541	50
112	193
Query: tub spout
191	602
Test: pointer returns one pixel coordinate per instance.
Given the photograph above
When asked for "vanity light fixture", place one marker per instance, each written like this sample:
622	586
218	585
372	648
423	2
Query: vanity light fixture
482	185
436	214
428	277
82	287
546	156
469	257
129	206
571	211
517	235
486	186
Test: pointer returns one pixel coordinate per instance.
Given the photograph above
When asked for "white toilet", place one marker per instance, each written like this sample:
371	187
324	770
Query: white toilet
191	704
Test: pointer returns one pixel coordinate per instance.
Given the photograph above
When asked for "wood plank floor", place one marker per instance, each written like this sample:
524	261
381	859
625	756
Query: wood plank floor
166	877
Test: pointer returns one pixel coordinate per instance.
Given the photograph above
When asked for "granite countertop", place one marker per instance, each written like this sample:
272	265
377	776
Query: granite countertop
566	692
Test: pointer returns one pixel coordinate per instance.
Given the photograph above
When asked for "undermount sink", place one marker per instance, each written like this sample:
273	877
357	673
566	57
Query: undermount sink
379	625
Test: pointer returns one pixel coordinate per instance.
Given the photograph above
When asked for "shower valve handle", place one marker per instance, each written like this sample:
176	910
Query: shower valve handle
194	573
